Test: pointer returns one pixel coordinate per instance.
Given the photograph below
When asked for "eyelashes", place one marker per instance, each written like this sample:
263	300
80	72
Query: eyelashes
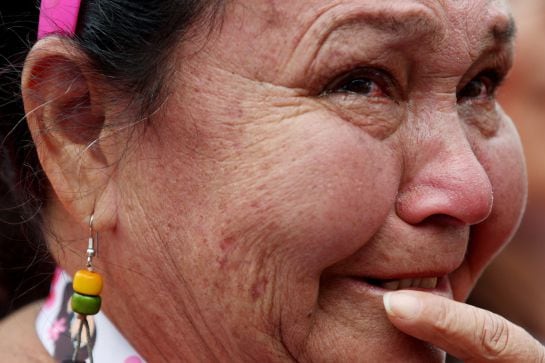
372	82
366	81
481	87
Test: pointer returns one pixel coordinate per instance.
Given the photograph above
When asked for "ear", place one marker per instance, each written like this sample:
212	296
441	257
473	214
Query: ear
66	114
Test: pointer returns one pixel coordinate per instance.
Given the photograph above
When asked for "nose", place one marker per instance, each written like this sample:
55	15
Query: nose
444	177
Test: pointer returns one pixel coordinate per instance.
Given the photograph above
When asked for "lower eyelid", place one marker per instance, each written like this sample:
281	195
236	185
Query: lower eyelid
483	116
348	99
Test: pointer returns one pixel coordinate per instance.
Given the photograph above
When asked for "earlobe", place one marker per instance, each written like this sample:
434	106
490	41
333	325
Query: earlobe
66	116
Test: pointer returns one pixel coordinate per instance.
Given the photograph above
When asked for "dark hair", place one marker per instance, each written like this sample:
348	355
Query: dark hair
126	41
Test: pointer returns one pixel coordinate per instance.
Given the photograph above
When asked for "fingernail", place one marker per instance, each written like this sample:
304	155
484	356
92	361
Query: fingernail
401	305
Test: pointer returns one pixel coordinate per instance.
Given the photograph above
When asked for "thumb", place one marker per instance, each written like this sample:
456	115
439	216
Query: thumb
464	331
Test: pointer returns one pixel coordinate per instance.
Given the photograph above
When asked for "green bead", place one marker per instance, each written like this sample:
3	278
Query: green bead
85	305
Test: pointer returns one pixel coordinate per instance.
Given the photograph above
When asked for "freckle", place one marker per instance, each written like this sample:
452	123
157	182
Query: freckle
266	165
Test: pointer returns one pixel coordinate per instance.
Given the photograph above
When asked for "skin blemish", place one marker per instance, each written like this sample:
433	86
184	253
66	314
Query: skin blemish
227	243
222	261
258	288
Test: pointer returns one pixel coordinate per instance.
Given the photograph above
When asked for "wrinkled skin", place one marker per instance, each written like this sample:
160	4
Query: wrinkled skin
304	148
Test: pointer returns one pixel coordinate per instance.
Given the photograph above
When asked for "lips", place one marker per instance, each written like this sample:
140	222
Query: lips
434	283
426	283
397	258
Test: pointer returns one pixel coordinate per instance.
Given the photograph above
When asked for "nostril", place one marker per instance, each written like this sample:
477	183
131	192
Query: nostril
447	203
444	220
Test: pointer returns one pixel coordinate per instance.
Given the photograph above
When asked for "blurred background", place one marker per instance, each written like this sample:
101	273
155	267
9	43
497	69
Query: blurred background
513	285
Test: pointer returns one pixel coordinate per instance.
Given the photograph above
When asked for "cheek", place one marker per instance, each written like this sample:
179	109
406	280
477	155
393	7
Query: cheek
327	192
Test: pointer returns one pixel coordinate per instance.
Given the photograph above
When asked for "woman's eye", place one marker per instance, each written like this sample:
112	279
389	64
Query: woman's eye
363	82
481	87
361	86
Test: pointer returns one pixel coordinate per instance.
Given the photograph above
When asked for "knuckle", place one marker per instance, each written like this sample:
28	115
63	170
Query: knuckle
494	335
444	320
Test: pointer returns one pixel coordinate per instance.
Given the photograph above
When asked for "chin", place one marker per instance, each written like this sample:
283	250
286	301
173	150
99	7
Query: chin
348	332
396	347
409	349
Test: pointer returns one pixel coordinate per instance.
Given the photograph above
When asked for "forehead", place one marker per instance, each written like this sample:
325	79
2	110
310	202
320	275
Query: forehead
476	19
287	35
439	9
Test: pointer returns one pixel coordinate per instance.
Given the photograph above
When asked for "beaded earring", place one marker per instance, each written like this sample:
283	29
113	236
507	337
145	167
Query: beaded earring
86	299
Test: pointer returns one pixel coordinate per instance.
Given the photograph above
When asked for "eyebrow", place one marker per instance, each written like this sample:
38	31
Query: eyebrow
409	22
416	22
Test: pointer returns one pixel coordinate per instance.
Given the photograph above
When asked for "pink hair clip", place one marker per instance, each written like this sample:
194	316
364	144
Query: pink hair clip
58	17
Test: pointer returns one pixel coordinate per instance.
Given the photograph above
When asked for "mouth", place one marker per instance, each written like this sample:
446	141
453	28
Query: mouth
423	283
439	285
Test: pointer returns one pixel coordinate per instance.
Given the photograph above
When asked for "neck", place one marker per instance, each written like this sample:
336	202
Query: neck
164	328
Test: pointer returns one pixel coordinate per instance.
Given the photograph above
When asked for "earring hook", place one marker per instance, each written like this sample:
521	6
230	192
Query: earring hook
92	247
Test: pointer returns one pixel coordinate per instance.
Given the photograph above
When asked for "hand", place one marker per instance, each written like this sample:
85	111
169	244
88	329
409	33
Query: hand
464	331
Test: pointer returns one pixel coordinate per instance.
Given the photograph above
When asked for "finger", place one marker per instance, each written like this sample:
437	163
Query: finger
464	331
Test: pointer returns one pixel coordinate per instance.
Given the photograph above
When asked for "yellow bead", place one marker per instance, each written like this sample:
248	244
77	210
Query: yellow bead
87	282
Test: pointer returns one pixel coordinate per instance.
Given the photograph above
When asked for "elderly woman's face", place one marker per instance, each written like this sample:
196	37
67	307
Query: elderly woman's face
314	155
